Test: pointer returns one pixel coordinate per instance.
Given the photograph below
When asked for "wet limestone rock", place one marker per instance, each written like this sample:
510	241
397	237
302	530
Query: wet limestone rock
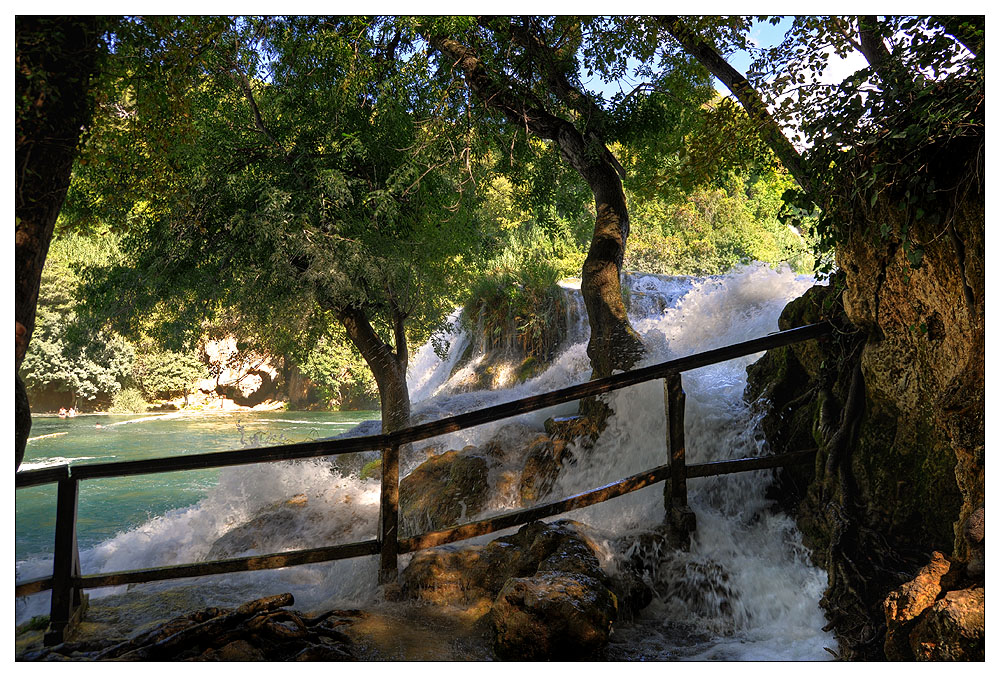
953	629
270	530
444	490
546	457
548	454
903	474
926	619
904	605
552	616
560	585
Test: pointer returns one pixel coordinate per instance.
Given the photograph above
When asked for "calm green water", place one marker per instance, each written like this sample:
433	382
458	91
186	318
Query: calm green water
110	506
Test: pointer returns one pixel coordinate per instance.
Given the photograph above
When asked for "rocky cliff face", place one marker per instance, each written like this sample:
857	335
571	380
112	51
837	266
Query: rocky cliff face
895	403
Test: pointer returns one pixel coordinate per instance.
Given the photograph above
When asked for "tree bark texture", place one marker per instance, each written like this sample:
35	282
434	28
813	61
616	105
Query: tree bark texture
387	365
873	47
745	93
55	57
613	343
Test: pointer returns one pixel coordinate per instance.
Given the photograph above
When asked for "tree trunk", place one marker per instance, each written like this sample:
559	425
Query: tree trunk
873	47
388	366
750	99
55	57
614	345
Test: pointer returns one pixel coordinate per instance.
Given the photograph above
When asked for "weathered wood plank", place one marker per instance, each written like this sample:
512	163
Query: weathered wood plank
518	517
31	478
32	586
743	464
605	385
673	394
228	566
219	459
65	563
431	429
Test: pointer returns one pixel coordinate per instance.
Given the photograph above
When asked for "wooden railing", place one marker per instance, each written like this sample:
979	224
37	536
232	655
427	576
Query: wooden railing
67	582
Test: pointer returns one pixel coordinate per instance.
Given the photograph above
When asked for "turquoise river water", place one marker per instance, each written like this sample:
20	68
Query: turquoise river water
110	506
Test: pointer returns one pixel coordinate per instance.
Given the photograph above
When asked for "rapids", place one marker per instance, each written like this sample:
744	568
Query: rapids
745	591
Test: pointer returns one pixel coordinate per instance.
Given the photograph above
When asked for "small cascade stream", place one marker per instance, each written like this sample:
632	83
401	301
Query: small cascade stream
745	591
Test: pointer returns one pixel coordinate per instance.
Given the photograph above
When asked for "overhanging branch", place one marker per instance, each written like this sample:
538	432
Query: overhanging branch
745	94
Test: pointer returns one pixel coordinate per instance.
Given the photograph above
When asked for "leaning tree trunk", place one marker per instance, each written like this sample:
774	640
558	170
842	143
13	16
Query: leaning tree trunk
614	345
55	57
753	105
388	366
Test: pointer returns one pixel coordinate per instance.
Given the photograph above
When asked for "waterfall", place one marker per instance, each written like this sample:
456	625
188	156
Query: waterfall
745	590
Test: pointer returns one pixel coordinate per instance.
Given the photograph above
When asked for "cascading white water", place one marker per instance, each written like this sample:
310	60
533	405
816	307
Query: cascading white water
744	591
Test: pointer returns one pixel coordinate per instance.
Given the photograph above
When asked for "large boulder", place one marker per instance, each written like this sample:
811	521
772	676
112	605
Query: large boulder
444	490
287	525
953	629
926	619
544	576
552	616
904	606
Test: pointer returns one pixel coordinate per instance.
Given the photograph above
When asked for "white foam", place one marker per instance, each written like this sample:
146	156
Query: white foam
759	594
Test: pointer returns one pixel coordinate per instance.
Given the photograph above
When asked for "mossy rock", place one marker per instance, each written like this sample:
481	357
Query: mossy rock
444	490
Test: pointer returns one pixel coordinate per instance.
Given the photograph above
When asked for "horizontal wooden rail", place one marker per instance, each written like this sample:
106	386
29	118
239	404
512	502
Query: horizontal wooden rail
426	430
518	517
229	566
756	463
31	586
31	478
216	459
608	384
426	540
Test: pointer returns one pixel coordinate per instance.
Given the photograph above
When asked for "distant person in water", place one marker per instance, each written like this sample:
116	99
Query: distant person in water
62	412
71	412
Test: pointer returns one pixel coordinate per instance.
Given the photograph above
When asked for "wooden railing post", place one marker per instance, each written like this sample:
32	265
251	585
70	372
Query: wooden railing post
388	534
680	517
67	601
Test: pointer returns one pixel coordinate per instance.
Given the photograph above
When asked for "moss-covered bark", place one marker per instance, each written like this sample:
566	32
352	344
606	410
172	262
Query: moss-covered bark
898	476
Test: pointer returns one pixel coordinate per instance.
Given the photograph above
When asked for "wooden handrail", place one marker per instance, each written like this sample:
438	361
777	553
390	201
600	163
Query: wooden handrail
67	582
423	431
215	459
426	540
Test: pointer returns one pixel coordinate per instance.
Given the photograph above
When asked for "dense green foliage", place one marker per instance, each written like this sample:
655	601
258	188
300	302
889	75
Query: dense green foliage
269	174
165	374
875	137
339	375
128	401
68	356
59	357
716	226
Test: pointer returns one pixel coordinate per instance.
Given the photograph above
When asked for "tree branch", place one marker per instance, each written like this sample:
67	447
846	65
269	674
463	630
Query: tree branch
745	94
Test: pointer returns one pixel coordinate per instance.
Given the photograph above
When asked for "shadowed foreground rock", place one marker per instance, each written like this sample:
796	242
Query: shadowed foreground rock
541	592
256	631
552	616
926	620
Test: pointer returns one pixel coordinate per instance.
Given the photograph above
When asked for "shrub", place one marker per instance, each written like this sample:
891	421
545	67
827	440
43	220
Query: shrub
522	306
128	401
